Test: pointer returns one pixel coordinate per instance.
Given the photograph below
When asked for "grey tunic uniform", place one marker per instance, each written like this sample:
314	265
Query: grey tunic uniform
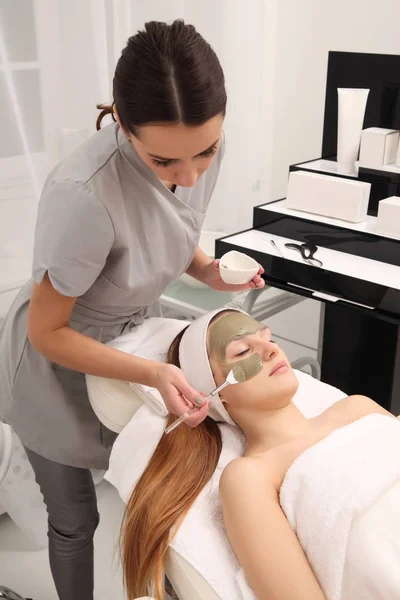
109	232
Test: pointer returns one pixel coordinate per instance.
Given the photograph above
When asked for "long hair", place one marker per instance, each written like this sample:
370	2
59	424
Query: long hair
166	74
181	466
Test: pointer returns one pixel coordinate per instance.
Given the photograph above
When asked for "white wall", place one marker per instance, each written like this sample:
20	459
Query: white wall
306	31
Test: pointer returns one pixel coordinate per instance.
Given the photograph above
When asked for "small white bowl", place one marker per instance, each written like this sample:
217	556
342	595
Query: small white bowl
237	268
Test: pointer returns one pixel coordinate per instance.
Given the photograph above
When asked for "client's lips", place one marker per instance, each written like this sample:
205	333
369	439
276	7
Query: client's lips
278	366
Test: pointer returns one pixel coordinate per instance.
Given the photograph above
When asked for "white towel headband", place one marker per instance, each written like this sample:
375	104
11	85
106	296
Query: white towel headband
193	358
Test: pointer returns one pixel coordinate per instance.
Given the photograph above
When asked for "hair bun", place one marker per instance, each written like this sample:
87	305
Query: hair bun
106	109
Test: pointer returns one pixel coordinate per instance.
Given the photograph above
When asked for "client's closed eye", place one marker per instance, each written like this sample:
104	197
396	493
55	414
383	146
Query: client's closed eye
242	352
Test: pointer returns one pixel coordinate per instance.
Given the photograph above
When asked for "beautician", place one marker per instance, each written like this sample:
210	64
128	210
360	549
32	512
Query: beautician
118	220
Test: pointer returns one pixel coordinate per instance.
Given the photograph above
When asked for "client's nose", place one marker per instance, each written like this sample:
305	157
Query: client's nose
267	349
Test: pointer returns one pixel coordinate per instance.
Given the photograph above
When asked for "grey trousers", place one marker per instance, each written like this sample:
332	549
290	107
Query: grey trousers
70	498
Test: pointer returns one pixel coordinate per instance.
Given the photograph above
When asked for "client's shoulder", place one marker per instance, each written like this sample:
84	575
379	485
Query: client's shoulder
245	475
355	407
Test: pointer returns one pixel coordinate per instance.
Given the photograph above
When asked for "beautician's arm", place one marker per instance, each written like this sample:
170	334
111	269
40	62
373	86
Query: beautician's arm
266	546
197	267
50	334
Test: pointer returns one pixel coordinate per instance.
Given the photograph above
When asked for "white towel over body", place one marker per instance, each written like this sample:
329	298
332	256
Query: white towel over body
332	483
373	551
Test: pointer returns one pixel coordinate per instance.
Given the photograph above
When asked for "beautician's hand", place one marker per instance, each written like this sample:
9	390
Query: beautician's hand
214	281
178	395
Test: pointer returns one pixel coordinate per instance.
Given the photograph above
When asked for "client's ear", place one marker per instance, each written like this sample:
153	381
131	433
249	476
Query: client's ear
221	396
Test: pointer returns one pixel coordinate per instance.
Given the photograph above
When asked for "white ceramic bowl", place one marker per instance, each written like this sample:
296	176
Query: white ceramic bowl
237	268
206	243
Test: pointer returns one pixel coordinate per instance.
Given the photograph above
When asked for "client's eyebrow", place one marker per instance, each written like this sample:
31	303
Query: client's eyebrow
175	159
244	335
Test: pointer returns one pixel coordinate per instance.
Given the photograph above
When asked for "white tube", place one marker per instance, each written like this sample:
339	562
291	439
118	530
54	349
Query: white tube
352	103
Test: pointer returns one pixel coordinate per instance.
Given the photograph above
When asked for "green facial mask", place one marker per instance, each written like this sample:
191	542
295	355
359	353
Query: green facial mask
246	368
224	331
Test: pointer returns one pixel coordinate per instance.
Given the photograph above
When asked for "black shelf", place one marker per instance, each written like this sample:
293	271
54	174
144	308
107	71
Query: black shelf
338	237
384	302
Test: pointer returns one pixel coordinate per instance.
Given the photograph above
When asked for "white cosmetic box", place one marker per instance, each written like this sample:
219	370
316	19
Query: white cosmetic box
388	222
378	146
334	197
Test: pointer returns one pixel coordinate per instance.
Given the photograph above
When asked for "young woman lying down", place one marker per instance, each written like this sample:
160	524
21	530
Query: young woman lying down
289	502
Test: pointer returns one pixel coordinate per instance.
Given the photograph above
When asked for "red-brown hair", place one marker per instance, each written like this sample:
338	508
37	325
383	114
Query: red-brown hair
181	466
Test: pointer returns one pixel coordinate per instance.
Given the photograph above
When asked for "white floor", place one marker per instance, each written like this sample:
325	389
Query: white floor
27	572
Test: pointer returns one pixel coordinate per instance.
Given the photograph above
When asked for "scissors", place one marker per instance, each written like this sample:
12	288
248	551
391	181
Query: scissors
307	252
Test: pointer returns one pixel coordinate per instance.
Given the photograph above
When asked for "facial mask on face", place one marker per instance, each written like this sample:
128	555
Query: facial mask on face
247	367
194	361
224	331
